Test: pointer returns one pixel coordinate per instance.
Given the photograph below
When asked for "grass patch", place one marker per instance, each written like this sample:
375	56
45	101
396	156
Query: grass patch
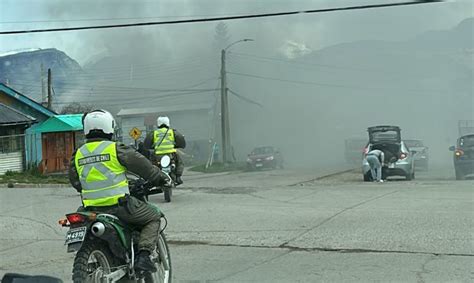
32	176
219	168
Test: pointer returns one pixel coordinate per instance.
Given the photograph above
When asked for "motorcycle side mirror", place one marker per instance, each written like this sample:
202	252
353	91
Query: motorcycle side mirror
165	161
452	148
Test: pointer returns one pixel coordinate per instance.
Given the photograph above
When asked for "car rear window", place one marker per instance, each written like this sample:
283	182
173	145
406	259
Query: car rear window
262	150
413	143
381	136
467	141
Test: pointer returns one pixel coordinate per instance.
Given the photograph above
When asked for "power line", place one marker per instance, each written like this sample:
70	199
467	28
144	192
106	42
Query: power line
117	89
224	18
102	88
307	65
121	101
139	72
110	19
326	84
161	64
248	100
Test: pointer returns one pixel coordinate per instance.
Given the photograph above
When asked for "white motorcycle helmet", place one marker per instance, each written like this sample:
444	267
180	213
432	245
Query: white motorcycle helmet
98	120
163	120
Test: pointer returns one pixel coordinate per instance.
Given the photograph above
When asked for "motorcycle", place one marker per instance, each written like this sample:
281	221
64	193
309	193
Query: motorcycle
168	166
107	248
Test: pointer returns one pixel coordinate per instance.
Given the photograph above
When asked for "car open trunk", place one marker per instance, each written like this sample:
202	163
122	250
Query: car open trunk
379	134
386	139
391	150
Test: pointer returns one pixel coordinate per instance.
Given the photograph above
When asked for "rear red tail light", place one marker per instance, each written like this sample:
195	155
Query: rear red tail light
459	152
75	218
403	155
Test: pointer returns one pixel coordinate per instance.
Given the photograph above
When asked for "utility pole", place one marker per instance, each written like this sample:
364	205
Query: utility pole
224	116
50	85
225	124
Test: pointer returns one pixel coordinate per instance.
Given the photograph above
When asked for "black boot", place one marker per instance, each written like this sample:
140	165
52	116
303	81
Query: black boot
144	262
179	181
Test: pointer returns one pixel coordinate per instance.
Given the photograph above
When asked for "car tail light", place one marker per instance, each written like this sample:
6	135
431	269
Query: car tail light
403	155
75	218
459	152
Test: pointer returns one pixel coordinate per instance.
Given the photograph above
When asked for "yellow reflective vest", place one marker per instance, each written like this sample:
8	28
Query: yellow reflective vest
102	177
167	144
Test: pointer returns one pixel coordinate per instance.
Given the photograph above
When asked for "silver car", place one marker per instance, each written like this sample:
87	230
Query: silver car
399	161
421	153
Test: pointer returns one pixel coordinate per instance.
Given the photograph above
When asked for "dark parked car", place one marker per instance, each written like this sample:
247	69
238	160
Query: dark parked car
464	157
398	159
420	151
265	157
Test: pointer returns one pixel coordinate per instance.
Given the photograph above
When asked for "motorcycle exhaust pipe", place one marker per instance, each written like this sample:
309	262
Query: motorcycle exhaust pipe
98	229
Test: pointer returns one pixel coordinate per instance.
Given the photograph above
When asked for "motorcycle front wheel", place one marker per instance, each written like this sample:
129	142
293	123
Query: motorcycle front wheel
91	263
162	261
168	193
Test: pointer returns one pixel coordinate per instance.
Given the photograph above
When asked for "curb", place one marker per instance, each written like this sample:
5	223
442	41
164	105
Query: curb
34	186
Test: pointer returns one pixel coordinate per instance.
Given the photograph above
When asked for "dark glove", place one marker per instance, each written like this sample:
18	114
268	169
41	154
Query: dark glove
164	179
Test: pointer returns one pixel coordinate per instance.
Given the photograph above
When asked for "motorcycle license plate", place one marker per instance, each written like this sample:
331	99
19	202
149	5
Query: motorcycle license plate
76	235
258	165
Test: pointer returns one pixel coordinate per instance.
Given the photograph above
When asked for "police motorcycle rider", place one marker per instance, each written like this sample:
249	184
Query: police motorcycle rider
165	140
98	170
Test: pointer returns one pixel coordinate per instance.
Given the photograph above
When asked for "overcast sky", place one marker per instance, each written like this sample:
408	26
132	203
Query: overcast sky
271	34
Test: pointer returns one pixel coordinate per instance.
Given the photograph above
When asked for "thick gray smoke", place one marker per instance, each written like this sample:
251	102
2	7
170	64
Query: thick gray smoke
320	78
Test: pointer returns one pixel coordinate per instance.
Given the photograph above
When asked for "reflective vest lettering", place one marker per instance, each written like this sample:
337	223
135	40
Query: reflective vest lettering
102	177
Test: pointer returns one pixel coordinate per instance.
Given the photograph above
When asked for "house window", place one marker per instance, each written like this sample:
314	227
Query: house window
11	139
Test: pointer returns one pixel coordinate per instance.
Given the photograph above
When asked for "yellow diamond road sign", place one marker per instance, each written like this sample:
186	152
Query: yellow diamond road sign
135	133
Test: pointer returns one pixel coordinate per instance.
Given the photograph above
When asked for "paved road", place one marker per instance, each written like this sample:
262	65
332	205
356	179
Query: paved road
261	227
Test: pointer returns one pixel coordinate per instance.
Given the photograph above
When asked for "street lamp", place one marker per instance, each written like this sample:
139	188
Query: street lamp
225	125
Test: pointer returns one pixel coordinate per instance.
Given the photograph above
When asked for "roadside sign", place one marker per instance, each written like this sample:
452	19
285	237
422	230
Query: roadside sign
135	133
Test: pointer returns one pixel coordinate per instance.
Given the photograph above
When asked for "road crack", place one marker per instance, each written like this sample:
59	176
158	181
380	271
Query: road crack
337	214
35	221
253	266
321	177
313	249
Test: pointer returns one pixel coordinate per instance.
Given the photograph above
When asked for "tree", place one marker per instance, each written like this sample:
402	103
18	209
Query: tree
222	38
76	108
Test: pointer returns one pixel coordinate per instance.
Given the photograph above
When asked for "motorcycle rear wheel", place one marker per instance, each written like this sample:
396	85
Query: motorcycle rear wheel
92	261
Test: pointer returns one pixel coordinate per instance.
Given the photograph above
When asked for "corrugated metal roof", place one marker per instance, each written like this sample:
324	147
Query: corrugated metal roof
10	116
61	123
15	94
